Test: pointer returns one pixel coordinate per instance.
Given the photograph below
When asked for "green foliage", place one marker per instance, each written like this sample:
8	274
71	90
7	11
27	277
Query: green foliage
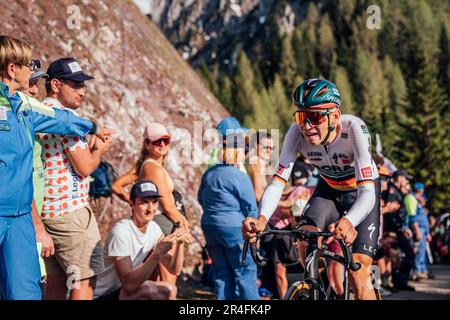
396	78
426	147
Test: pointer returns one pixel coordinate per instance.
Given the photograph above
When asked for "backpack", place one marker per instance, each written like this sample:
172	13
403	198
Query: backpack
103	178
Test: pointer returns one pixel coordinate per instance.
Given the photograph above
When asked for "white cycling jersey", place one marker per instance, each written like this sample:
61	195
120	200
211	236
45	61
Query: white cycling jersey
345	164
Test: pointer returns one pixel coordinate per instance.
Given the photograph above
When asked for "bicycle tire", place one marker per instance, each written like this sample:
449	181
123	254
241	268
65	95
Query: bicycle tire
300	290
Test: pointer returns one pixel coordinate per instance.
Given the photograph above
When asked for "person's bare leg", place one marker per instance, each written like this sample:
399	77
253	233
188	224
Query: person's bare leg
336	277
281	279
56	287
360	280
85	290
151	290
302	245
381	263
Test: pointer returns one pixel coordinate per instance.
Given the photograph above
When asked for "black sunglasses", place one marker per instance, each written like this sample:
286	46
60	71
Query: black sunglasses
34	64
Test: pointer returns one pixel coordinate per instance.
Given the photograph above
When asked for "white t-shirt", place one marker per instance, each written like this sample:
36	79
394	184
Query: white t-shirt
125	240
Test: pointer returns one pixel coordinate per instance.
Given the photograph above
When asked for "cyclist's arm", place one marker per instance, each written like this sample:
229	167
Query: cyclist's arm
272	194
365	201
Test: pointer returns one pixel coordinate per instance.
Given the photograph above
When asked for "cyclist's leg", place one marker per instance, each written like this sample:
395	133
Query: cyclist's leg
364	250
320	212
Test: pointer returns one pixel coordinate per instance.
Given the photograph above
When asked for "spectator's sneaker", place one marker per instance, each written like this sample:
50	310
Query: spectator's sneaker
385	293
415	277
430	275
422	276
405	287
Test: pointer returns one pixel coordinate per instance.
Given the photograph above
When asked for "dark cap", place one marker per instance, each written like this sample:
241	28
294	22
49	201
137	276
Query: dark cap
402	173
67	68
37	74
144	189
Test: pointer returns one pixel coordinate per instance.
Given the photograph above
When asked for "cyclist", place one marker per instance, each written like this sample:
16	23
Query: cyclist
346	198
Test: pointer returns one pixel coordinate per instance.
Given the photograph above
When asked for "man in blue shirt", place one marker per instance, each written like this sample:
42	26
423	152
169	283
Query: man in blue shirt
19	120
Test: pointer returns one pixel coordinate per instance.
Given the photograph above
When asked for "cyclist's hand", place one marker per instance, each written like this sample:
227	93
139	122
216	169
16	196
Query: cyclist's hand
343	229
248	231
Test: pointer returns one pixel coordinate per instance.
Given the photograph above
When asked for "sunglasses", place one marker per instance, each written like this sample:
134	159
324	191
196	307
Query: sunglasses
34	64
159	142
76	85
314	118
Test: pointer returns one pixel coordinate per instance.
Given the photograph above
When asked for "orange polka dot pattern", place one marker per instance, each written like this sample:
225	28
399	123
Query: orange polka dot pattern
65	191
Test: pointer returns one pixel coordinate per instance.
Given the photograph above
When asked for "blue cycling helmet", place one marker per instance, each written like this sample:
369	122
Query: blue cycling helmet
316	94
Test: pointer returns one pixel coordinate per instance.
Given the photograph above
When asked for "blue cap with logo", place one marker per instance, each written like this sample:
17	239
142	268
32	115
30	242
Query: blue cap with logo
144	189
67	68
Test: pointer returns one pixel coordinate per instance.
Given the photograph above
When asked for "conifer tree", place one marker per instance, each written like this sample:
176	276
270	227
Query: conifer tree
426	147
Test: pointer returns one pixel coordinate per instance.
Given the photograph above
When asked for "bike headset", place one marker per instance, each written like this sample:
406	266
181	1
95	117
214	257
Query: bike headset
317	94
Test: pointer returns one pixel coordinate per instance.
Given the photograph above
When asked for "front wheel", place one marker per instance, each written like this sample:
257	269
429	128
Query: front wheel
301	290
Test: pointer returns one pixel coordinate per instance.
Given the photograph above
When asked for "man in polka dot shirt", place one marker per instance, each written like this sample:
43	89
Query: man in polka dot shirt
69	161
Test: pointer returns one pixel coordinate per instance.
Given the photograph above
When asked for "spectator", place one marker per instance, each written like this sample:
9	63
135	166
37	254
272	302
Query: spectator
65	212
418	217
33	88
20	273
45	244
134	248
227	198
227	126
260	162
303	165
150	166
397	222
281	250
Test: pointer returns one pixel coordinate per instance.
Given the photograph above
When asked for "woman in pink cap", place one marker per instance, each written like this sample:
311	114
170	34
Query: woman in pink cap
150	166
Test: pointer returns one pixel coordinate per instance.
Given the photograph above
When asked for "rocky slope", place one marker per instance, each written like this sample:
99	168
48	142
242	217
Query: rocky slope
139	78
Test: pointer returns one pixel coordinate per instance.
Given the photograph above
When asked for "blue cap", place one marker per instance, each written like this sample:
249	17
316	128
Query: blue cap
230	125
419	186
144	189
67	68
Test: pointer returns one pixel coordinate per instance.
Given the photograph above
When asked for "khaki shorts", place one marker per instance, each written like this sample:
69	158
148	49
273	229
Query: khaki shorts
78	247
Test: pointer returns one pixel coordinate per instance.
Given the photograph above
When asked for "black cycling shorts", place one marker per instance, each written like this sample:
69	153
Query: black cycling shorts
328	205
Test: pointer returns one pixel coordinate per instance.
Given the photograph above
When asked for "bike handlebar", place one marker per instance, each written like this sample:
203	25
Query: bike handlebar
304	235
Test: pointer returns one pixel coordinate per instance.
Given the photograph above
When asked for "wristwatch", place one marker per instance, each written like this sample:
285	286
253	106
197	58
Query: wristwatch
94	128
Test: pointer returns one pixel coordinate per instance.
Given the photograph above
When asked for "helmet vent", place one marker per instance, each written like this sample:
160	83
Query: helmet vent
322	92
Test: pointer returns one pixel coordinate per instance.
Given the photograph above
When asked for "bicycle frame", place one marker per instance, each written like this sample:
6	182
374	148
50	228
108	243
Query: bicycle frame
313	255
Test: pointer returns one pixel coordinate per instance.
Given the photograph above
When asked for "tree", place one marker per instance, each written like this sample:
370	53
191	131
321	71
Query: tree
371	92
426	145
209	78
345	87
288	66
444	61
226	93
282	107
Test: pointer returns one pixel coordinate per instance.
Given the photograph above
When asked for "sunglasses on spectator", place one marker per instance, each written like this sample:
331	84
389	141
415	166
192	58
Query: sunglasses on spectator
268	147
34	64
314	118
76	85
159	142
